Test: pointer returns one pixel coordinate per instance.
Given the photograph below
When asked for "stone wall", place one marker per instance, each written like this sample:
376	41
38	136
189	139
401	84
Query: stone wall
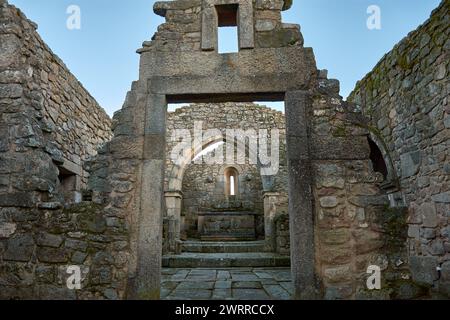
182	29
352	228
341	218
204	191
49	125
337	207
406	99
46	113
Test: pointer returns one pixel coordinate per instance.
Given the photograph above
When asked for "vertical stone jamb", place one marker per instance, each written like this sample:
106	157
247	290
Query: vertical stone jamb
271	200
300	195
173	207
152	200
209	27
245	25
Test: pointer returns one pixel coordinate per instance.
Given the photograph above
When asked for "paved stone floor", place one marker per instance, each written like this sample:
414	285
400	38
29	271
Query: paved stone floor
226	284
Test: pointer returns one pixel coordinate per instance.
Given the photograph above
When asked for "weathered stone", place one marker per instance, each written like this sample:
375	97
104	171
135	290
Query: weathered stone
50	205
45	274
423	270
19	248
49	240
52	292
445	271
367	241
338	274
328	202
76	245
111	294
411	163
9	47
101	275
79	257
102	258
7	230
52	255
414	231
337	236
428	215
442	197
437	248
428	233
264	25
20	200
336	254
338	292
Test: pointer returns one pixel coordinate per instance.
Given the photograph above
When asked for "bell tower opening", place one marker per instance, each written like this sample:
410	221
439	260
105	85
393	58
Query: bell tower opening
227	33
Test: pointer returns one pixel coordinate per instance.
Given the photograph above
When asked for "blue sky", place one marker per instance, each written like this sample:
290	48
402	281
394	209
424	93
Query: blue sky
102	53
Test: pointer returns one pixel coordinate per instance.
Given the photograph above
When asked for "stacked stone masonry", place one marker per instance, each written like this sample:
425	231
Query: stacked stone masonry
49	125
406	99
344	215
202	185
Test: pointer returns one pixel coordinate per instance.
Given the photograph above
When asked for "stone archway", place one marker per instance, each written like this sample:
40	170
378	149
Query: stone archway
174	194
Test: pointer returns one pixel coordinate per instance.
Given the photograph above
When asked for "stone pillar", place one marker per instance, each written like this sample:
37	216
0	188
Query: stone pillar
271	200
173	207
152	196
246	25
301	216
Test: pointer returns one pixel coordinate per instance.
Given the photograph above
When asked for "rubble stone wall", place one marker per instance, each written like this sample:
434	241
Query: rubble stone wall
406	99
49	125
182	29
203	184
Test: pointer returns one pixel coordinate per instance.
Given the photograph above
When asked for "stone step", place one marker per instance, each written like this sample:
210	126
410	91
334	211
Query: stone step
225	260
222	247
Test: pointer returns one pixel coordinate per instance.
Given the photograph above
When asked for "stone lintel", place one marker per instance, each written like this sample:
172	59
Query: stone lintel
268	194
173	194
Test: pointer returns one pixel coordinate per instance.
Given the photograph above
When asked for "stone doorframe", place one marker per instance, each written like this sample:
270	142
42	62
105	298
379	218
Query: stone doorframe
150	220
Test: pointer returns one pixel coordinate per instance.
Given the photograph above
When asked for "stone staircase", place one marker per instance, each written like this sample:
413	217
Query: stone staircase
202	254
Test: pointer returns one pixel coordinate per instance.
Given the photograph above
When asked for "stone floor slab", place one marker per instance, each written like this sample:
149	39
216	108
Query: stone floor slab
195	285
226	284
277	292
190	295
222	294
250	294
223	275
223	285
246	285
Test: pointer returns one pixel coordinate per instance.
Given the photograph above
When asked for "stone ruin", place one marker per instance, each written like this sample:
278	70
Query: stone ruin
362	182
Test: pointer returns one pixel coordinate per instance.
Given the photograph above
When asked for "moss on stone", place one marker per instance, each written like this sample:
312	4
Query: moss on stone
395	226
340	131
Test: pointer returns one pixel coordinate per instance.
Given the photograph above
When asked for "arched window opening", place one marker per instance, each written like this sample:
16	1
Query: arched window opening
377	159
231	182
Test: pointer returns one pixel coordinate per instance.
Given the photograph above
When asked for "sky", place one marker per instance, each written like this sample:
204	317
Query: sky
102	53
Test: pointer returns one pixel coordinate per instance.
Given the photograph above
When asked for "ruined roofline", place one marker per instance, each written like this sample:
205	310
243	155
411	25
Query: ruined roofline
412	34
160	7
22	16
191	106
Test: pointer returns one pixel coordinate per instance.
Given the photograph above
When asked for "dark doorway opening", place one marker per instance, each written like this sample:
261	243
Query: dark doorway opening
377	159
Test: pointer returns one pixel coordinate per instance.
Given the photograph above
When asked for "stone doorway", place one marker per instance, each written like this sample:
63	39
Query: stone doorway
269	66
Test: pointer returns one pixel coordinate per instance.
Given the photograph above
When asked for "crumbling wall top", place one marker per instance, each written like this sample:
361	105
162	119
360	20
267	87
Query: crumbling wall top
192	25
